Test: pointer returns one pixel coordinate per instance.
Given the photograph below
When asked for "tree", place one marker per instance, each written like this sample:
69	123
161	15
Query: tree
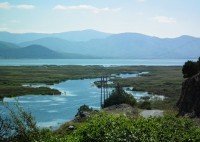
83	108
20	126
190	68
145	105
198	63
119	96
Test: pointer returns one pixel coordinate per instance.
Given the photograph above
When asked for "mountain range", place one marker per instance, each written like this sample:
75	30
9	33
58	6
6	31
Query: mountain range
13	51
84	35
94	44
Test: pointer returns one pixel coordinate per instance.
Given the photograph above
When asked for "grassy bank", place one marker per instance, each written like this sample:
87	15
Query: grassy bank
12	78
160	80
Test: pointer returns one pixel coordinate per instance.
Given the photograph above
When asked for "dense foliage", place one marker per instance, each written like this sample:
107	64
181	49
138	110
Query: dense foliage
191	68
145	105
119	96
109	128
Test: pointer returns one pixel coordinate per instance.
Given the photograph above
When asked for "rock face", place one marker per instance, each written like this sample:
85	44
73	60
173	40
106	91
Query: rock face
189	101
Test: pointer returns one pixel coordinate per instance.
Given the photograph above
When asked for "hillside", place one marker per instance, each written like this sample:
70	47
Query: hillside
12	51
56	44
91	43
84	35
127	45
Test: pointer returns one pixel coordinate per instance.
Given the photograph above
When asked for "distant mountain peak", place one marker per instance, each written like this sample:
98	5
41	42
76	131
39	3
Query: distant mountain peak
84	35
94	31
187	36
123	45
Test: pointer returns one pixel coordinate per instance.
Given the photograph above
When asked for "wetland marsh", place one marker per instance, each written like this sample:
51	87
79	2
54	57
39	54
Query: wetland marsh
65	88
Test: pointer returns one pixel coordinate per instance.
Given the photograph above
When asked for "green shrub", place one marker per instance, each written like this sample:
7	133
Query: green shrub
119	96
109	128
145	105
104	127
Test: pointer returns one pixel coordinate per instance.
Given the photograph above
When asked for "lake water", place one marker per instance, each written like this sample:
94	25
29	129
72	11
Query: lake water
103	62
55	110
52	111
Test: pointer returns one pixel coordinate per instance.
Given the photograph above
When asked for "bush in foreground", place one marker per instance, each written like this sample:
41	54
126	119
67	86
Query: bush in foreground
110	128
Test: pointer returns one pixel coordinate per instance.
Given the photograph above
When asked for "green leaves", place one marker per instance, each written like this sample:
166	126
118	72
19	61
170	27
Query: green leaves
119	96
108	128
190	68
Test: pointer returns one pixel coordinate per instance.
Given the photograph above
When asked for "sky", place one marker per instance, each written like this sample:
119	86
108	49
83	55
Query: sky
161	18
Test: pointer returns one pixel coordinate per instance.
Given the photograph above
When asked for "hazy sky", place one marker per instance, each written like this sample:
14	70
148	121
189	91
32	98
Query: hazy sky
162	18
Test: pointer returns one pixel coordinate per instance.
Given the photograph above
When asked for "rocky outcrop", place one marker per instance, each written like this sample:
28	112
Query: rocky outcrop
151	113
189	101
124	109
82	116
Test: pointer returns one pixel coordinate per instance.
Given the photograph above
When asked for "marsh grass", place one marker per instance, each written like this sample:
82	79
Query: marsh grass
160	80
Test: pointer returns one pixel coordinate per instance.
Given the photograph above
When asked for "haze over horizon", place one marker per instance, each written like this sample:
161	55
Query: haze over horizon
150	17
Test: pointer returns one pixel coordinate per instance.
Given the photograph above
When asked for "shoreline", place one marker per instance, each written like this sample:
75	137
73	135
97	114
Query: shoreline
160	80
13	76
93	62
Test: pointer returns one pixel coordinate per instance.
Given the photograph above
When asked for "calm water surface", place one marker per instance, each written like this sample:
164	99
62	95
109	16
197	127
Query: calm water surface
103	62
55	110
52	111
